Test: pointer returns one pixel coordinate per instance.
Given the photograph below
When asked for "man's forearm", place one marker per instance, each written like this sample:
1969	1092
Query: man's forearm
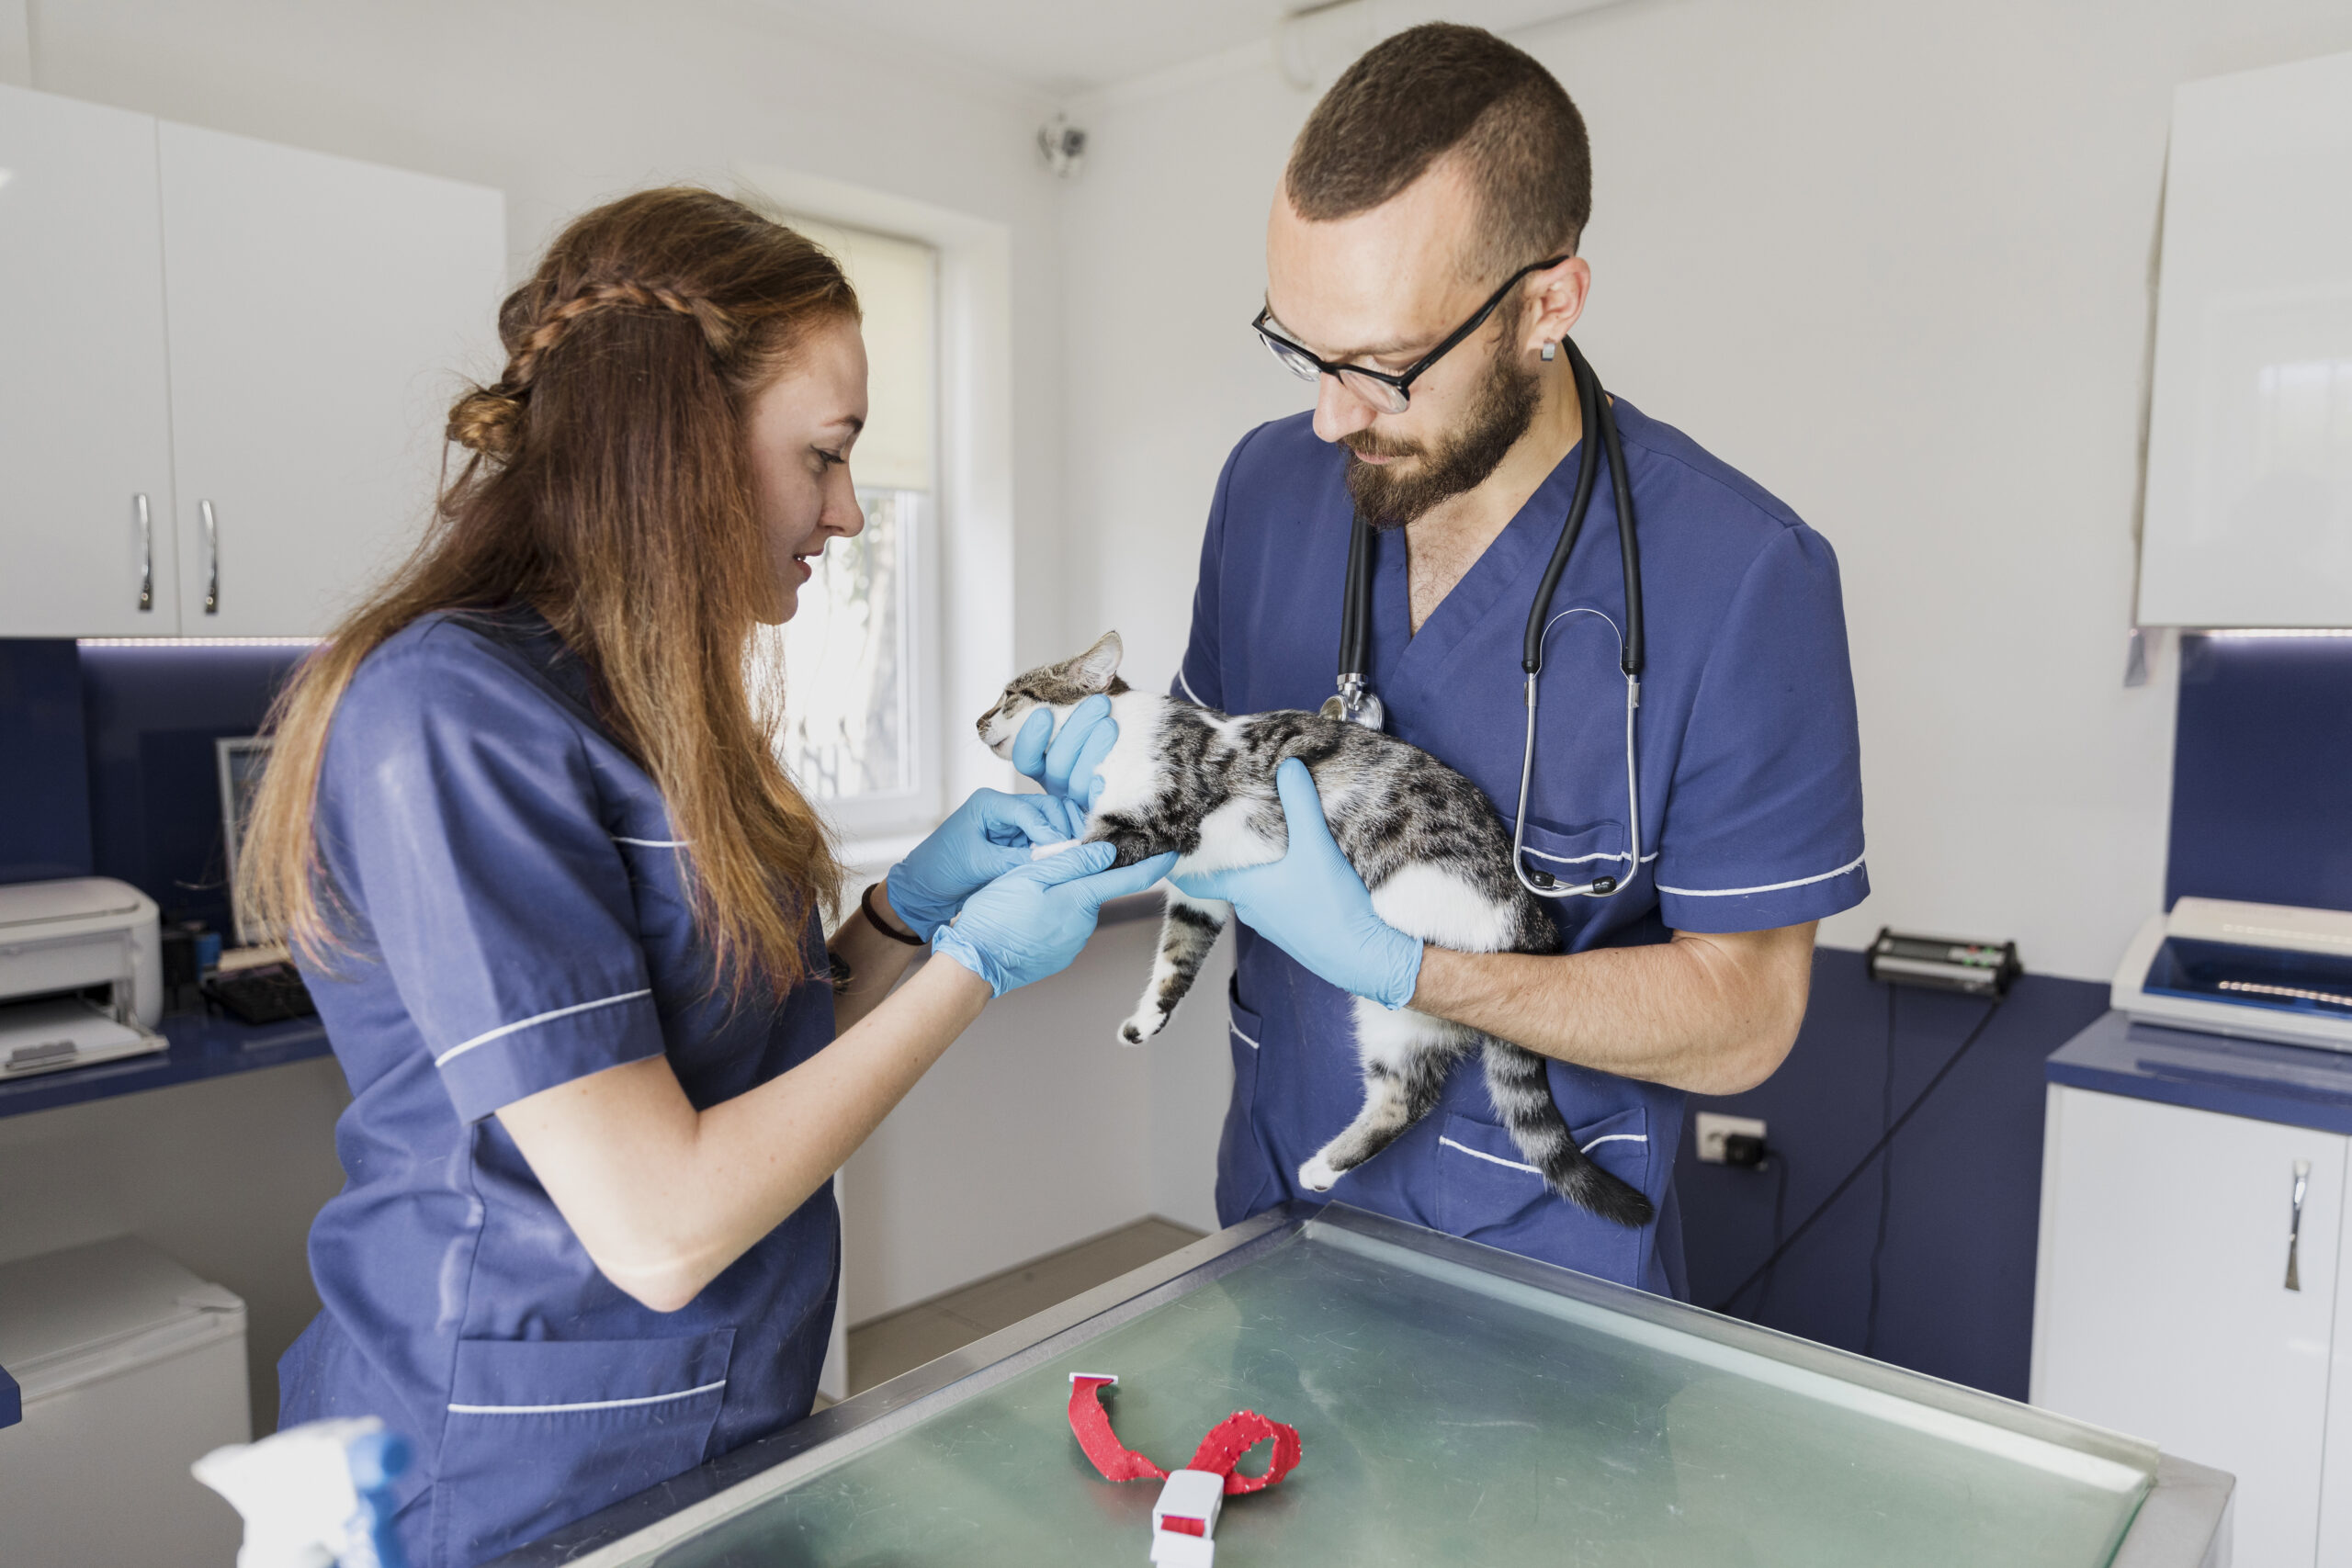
1713	1014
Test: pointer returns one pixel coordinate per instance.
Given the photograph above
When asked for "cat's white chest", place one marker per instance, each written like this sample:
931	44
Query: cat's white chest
1227	841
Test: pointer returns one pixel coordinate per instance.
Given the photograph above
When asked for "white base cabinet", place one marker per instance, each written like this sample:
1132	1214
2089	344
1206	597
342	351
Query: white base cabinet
2163	1305
260	342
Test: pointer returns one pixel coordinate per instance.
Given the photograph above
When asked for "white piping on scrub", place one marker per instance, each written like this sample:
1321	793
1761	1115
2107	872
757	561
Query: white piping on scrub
505	1029
1768	888
586	1405
1514	1165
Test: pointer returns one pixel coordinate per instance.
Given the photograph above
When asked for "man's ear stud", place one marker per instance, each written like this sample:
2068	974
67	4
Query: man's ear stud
1549	350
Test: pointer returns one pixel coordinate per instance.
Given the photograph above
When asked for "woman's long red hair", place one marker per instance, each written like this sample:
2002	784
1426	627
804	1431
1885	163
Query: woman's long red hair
609	487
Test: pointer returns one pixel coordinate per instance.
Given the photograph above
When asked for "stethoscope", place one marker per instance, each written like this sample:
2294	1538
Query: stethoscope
1358	705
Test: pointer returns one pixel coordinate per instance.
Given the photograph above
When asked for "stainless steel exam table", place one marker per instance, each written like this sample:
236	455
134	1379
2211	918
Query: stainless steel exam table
1455	1405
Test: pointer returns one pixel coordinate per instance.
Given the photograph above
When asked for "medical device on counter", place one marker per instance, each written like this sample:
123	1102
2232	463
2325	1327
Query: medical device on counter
2258	971
81	974
1944	963
315	1495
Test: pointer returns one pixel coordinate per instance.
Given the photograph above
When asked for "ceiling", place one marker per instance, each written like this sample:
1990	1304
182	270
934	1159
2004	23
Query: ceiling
1060	46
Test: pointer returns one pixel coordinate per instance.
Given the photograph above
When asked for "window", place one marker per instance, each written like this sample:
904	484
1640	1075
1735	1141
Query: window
855	659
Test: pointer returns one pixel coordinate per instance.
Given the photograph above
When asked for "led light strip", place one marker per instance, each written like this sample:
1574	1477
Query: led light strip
197	641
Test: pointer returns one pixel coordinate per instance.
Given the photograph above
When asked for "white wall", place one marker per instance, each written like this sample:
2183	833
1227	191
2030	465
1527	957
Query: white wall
1892	259
1040	1128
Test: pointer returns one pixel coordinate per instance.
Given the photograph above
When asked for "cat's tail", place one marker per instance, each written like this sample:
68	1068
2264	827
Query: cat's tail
1522	1095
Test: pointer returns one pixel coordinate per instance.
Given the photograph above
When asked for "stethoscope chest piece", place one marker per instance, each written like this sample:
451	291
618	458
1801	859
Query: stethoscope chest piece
1356	705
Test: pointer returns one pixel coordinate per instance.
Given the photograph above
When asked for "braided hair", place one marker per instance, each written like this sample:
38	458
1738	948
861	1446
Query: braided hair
607	485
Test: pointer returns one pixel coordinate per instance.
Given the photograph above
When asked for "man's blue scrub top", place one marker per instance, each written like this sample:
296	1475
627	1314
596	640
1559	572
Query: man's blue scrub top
514	905
1750	774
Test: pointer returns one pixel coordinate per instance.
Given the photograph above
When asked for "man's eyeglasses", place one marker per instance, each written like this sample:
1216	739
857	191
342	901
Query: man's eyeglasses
1389	393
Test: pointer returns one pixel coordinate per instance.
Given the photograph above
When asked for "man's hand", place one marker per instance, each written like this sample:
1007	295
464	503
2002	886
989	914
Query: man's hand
1313	905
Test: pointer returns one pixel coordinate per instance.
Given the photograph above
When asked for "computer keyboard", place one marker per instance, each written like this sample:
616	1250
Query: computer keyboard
268	993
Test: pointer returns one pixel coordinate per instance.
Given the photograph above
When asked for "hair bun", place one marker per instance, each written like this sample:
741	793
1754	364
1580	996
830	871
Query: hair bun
487	421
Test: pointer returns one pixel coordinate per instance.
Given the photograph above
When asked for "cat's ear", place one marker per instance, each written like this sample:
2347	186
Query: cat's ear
1095	669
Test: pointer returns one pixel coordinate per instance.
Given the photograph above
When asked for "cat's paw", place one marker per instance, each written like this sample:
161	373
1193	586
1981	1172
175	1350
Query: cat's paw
1317	1175
1142	1026
1040	852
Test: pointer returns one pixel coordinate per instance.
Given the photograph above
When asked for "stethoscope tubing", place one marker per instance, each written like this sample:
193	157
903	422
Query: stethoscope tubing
1355	623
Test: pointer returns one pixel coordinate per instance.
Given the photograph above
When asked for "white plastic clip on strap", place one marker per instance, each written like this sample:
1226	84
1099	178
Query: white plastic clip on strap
1184	1519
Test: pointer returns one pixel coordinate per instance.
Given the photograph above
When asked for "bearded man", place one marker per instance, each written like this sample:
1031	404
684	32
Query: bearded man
1422	270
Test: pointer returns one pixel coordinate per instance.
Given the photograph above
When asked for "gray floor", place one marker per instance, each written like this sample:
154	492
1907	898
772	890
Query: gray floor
886	1347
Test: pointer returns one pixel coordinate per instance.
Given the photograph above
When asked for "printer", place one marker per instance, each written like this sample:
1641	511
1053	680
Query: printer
81	974
2258	971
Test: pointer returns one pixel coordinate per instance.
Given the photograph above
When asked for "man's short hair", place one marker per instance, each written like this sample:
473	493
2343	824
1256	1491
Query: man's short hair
1439	89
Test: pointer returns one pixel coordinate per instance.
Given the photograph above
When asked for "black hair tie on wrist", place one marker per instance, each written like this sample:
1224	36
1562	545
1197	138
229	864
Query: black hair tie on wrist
865	907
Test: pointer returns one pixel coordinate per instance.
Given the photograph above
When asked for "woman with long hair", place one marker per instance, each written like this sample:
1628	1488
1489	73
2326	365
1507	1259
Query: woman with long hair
560	907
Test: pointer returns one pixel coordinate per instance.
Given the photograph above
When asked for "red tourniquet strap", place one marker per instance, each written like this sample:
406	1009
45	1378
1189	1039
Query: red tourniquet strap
1220	1452
1222	1449
1093	1424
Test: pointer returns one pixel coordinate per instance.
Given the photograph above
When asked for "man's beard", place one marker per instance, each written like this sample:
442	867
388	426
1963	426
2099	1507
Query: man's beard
1461	461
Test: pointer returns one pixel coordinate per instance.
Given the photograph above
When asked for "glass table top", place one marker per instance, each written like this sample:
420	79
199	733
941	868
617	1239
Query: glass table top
1453	1406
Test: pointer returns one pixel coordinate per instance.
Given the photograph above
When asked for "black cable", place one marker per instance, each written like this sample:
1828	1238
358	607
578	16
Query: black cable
1991	1006
1885	1181
1780	1212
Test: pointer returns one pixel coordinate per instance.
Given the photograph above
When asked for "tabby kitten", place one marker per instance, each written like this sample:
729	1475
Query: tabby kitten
1424	838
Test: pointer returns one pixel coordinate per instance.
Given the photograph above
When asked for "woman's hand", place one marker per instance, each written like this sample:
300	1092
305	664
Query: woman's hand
1030	923
1064	763
990	834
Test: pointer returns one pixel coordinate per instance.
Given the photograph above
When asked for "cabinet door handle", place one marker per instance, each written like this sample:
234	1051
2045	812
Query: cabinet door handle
146	555
212	558
2295	1222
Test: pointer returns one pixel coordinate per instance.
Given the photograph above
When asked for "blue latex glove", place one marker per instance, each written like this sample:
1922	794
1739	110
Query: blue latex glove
989	835
1313	905
1064	762
1030	923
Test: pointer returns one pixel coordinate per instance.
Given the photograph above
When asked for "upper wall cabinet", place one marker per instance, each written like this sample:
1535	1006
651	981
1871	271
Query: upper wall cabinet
2249	498
87	546
321	311
291	327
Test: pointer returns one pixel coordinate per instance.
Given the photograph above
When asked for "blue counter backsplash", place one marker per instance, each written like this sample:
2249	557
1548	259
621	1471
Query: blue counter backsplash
107	762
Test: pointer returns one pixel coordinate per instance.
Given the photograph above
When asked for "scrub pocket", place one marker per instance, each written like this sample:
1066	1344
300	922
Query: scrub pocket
541	1432
1487	1192
1577	854
1245	1168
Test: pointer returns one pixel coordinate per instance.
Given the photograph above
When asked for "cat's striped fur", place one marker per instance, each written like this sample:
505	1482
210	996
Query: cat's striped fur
1425	840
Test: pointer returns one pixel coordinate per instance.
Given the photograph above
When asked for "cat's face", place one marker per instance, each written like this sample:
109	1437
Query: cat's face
1058	687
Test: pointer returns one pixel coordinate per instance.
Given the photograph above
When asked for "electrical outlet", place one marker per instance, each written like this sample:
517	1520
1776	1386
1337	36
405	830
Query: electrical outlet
1713	1129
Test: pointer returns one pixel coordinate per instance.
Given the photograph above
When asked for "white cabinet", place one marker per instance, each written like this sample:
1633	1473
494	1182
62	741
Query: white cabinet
262	341
2162	1308
86	435
320	311
2249	519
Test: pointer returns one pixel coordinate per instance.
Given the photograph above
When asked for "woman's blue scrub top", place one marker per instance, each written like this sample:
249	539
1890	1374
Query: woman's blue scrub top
512	893
1749	766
